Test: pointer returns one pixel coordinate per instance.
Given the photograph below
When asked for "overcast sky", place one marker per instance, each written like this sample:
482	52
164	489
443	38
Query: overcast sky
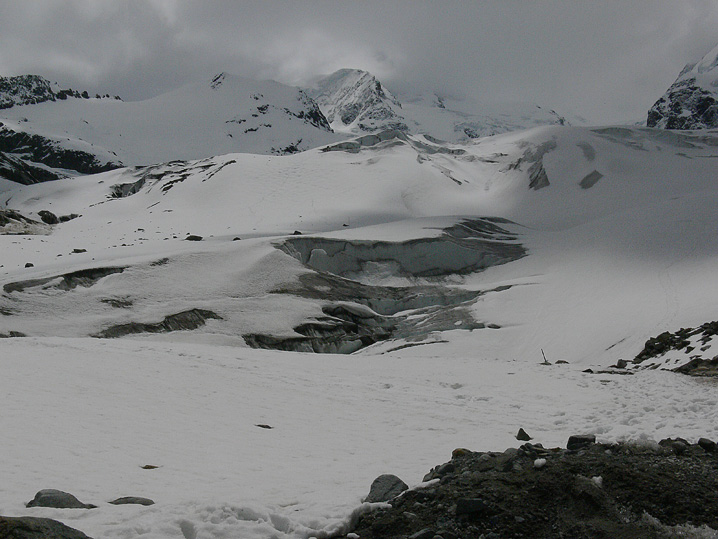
607	60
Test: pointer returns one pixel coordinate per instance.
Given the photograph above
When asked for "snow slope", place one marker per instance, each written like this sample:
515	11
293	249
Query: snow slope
99	410
599	200
227	114
618	226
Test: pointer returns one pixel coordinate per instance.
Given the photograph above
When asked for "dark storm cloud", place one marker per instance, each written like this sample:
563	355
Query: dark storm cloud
606	60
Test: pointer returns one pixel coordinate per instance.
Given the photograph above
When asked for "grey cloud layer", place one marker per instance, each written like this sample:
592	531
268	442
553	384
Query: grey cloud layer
606	60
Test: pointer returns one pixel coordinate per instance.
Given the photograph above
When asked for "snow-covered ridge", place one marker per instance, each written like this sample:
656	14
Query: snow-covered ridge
692	100
67	132
223	115
355	102
33	89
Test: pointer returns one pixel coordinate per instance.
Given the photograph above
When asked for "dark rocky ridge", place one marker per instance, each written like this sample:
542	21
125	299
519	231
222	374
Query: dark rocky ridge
617	491
33	89
18	170
20	152
186	320
38	149
685	106
693	344
692	100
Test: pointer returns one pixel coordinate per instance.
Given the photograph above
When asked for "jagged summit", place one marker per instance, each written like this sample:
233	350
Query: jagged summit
692	100
355	101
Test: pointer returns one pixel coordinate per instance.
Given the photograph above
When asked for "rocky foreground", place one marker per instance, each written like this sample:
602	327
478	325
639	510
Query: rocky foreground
637	490
627	490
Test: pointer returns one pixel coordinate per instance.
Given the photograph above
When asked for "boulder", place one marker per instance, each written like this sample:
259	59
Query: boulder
707	445
677	445
48	217
36	528
385	487
523	436
132	500
580	441
50	497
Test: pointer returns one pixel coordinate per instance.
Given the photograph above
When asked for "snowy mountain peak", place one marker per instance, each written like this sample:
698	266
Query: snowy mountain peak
692	100
354	101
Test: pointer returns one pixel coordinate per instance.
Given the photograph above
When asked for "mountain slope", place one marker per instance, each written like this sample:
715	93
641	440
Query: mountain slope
355	102
577	242
692	100
226	114
526	238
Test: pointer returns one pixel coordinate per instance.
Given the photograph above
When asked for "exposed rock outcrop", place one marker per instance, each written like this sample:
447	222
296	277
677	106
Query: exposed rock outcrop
692	101
33	89
186	320
691	351
618	491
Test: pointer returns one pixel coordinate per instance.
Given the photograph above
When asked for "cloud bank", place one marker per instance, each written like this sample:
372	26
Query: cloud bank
608	61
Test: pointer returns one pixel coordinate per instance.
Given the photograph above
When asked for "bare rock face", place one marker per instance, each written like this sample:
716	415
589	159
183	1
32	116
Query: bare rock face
685	106
25	90
692	101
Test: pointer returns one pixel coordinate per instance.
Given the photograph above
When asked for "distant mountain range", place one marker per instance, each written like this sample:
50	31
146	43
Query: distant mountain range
47	132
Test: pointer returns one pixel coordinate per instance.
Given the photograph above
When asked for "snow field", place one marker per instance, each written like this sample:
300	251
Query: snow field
607	267
85	415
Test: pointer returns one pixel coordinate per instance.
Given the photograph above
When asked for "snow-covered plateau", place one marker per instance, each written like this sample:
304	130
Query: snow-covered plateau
172	323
